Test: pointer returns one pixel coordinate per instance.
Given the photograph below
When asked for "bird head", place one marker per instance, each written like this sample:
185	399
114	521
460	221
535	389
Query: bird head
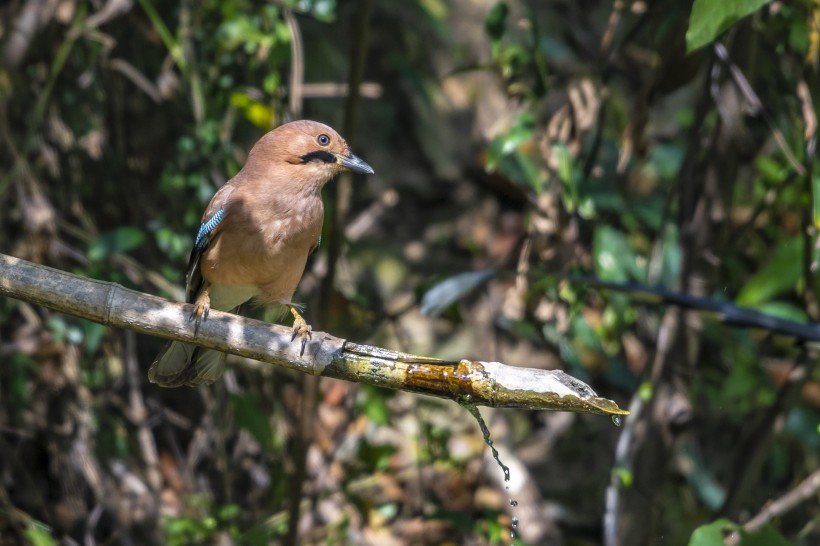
312	151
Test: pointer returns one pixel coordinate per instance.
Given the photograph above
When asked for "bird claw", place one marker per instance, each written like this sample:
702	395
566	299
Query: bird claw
301	329
202	307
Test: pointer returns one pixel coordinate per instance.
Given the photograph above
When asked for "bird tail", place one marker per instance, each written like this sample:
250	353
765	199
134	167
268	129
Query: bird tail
185	364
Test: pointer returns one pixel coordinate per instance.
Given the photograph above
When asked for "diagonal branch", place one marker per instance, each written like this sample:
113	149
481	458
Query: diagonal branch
724	311
804	491
465	381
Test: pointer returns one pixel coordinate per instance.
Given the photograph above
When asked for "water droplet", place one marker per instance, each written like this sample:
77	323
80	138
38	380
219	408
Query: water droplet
513	503
617	420
515	522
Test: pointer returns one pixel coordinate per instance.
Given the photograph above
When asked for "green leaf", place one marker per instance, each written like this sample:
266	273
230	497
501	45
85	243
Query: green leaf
567	175
252	417
38	534
373	405
709	18
119	240
625	476
780	273
772	170
376	456
781	309
713	534
804	424
92	335
645	391
614	258
496	21
765	536
229	512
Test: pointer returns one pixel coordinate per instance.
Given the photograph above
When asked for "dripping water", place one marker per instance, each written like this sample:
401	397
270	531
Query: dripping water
485	431
473	409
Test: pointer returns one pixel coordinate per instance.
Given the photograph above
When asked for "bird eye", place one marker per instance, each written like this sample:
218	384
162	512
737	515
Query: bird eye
323	140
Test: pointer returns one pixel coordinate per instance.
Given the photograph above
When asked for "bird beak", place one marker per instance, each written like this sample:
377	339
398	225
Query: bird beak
353	163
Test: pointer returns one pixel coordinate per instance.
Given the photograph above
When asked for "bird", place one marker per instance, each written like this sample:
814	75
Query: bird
255	237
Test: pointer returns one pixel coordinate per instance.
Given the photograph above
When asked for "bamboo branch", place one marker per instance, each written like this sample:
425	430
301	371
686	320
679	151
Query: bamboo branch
465	381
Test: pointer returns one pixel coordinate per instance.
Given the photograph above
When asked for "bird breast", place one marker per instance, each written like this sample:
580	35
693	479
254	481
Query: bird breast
266	244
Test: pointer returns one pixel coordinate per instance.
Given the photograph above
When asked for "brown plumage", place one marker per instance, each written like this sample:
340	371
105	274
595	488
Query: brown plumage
255	238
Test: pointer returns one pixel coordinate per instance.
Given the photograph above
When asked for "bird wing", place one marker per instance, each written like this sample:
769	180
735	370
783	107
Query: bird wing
208	229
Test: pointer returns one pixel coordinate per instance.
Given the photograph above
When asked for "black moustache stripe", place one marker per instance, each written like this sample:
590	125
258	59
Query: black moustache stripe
319	155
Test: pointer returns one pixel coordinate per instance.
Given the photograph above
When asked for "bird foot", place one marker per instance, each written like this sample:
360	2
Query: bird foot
301	328
202	306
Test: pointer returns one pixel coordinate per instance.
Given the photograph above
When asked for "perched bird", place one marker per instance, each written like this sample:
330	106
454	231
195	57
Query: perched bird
255	238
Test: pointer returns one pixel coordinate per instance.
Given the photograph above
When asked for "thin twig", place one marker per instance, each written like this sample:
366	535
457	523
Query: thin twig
138	414
297	66
748	92
806	490
752	451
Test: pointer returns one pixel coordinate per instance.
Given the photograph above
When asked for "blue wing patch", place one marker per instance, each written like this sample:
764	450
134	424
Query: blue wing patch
205	229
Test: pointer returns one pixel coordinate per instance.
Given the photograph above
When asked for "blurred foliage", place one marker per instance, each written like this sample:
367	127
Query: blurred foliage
518	145
714	535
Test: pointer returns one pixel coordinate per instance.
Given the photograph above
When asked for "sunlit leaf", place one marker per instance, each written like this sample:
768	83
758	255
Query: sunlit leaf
783	310
614	258
256	112
771	169
38	534
709	18
625	476
815	194
645	391
436	8
780	274
711	534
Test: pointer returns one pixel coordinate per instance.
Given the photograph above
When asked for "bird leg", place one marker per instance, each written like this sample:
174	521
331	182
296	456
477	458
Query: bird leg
300	328
202	305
